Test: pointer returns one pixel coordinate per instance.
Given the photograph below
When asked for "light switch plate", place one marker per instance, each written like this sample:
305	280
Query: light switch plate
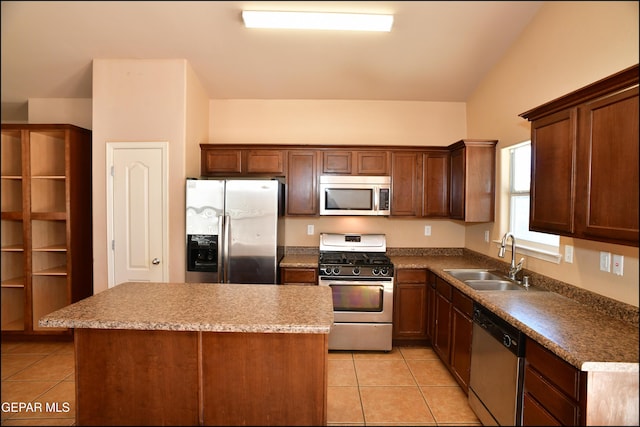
486	236
568	254
605	261
310	230
427	230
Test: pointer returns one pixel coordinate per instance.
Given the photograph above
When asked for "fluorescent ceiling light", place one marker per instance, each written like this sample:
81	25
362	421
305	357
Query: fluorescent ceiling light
317	21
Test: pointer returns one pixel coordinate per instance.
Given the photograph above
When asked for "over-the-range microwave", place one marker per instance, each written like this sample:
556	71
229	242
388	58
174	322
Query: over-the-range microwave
355	195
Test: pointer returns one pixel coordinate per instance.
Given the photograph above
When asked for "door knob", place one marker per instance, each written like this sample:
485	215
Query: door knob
155	261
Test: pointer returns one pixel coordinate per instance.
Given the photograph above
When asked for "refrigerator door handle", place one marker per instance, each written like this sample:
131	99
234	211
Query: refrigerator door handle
227	232
220	247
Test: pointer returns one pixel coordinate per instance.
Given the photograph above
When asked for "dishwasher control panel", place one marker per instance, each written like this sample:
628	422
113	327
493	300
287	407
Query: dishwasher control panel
508	335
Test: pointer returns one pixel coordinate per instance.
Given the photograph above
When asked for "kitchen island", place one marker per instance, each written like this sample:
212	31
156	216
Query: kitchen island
200	354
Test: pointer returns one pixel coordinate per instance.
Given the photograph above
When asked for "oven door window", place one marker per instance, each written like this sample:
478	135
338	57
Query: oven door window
348	198
367	298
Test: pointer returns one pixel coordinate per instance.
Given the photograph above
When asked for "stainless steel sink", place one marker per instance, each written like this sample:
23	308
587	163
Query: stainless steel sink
465	274
494	285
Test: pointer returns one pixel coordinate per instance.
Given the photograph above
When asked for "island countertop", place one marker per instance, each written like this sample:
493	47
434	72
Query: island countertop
201	307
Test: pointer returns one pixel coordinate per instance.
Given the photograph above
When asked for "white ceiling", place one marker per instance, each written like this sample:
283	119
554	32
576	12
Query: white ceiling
436	51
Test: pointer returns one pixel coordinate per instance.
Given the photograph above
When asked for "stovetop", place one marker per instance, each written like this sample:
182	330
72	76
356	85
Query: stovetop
350	255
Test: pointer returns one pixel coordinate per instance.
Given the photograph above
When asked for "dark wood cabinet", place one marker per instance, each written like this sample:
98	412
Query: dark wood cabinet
302	183
554	391
442	327
406	183
240	161
299	276
410	305
355	162
435	188
431	305
584	162
472	180
461	329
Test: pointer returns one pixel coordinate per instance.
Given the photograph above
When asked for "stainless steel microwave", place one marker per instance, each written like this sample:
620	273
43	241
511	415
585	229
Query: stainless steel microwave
355	195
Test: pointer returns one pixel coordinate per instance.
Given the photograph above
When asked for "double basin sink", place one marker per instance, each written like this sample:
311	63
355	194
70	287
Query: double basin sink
485	280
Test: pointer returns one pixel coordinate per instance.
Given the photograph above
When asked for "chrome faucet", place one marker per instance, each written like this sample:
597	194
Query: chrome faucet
513	269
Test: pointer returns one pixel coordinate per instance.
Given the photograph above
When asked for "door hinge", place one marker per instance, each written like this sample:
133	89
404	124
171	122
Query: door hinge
113	245
112	172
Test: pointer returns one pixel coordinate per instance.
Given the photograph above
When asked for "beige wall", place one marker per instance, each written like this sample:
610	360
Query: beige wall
60	110
567	46
138	101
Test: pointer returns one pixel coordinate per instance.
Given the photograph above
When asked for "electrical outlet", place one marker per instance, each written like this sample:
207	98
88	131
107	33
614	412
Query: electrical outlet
568	254
618	261
486	236
427	230
605	261
310	230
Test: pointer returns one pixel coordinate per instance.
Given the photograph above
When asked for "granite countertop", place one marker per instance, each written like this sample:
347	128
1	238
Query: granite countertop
585	338
299	261
201	307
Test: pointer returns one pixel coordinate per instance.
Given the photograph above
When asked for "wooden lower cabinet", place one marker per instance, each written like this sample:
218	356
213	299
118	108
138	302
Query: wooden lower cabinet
136	377
299	276
410	306
461	329
554	391
442	327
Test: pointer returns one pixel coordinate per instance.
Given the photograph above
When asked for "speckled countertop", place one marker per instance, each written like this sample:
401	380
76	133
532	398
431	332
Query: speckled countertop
201	307
589	340
588	331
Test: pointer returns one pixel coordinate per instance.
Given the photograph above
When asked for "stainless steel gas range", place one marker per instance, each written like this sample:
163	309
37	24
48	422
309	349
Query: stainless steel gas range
360	275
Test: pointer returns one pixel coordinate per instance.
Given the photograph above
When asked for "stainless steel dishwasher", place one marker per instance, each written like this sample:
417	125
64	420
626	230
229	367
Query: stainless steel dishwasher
497	368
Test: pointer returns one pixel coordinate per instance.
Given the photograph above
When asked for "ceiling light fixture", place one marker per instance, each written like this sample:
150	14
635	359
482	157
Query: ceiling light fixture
317	21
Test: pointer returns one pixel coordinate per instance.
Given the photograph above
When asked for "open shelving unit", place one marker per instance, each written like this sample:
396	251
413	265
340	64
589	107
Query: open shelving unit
46	243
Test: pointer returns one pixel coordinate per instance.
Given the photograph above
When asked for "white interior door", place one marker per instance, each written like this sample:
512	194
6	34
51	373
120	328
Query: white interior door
137	205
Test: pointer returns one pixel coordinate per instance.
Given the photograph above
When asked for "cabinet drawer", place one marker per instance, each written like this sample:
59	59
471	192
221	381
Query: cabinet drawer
443	288
463	303
533	414
299	276
411	276
560	373
555	402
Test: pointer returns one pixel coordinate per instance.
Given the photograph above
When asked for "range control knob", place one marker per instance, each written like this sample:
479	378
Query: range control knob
326	270
384	271
375	271
336	270
356	271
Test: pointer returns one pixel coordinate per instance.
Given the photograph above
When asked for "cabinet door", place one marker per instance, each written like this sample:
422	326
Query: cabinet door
461	328
608	172
457	173
553	151
269	162
220	162
299	276
442	330
372	162
406	182
431	306
302	196
410	301
337	162
435	189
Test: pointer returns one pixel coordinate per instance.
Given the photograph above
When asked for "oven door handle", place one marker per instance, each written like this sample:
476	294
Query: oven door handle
350	282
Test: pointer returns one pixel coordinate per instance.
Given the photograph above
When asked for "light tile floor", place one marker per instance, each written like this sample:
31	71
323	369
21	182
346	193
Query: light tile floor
406	386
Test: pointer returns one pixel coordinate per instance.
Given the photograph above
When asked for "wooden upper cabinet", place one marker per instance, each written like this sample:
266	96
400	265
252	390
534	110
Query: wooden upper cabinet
302	178
584	163
406	183
435	188
241	161
609	168
472	180
355	162
553	152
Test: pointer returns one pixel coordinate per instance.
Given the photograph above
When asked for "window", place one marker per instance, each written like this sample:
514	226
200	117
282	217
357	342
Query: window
519	184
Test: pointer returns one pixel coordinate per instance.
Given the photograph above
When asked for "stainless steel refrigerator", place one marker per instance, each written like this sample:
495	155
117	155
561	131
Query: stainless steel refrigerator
235	230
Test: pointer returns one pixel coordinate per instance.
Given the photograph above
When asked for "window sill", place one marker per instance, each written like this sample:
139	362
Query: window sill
533	252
